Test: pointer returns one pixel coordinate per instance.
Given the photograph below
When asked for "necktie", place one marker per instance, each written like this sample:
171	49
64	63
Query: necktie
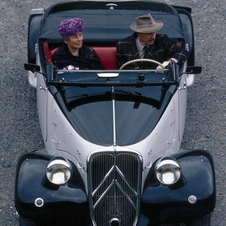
146	50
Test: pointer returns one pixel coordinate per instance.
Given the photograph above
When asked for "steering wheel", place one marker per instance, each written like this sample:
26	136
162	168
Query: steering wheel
141	60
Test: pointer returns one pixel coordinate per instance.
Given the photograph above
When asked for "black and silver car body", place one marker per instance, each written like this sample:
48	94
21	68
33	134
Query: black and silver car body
112	137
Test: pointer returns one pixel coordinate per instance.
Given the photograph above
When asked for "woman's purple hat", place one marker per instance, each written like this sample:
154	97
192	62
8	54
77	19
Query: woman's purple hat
71	26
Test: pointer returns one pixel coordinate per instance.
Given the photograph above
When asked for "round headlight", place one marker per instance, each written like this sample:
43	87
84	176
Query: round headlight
58	171
168	171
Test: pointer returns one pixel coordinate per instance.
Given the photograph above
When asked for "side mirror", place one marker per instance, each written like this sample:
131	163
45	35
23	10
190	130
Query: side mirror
32	67
193	70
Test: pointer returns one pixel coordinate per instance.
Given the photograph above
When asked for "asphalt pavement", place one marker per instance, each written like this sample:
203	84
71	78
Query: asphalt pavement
206	111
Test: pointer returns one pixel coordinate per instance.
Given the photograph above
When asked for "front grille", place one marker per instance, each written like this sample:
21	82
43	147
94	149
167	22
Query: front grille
114	183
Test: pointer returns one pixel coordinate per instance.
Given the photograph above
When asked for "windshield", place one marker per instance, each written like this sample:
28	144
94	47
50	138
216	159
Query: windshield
125	76
121	110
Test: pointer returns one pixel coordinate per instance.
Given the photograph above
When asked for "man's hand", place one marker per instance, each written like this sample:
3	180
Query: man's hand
165	64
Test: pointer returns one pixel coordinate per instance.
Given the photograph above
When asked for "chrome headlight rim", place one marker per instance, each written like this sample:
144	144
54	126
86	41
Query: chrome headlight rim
168	171
59	171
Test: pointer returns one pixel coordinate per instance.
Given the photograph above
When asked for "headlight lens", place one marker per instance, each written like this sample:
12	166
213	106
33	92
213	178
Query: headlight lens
58	171
168	171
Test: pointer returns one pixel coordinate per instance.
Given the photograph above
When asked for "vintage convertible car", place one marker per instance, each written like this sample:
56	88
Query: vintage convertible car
112	137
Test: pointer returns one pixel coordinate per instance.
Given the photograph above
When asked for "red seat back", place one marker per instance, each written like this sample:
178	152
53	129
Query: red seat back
107	56
48	54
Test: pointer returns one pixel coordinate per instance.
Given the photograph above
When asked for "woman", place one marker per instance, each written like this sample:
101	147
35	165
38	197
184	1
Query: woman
73	54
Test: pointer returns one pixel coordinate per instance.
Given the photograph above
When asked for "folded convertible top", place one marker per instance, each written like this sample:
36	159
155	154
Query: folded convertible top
107	25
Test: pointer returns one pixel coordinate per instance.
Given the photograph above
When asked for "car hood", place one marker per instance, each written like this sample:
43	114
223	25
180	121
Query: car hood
111	115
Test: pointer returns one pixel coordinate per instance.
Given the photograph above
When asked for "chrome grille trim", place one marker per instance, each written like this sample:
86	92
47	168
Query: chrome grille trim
114	187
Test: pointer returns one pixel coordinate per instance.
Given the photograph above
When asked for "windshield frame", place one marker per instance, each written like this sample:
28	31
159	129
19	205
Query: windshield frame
153	77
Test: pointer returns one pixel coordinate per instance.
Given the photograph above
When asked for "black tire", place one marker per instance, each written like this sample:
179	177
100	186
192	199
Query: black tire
26	222
29	222
203	221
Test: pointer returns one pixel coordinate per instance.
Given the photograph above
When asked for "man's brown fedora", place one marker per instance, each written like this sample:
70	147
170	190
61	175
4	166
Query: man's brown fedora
146	24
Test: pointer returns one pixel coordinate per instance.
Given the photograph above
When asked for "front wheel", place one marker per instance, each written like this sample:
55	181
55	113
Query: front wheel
26	222
202	221
50	222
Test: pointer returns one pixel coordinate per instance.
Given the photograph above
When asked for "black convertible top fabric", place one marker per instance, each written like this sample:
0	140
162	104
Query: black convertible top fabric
108	26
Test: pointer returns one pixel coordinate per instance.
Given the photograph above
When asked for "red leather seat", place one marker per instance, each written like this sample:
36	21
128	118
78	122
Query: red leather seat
107	56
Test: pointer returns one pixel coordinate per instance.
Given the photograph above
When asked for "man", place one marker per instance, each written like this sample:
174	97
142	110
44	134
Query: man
146	43
73	54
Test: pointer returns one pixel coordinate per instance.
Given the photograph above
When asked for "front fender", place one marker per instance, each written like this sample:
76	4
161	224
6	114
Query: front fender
194	195
36	197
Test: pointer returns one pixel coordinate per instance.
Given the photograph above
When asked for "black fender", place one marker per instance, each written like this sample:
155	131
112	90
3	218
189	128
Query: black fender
37	198
194	195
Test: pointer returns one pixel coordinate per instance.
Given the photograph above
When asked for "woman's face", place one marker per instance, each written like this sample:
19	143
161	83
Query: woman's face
75	41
